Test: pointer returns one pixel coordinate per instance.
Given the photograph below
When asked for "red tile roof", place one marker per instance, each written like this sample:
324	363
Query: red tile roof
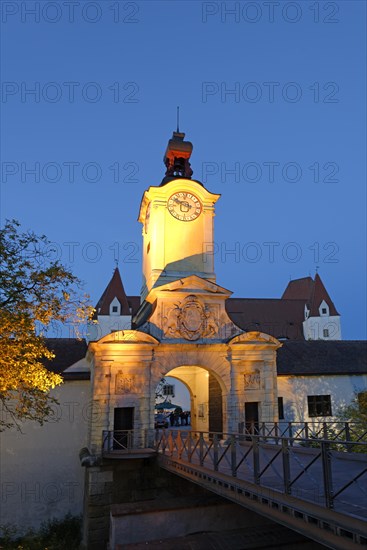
312	292
299	289
280	318
114	289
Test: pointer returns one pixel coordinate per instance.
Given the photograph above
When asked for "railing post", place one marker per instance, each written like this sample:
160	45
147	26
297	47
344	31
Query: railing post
256	456
276	433
347	431
170	443
325	430
179	445
189	447
233	455
286	467
290	433
327	475
215	447
201	448
306	433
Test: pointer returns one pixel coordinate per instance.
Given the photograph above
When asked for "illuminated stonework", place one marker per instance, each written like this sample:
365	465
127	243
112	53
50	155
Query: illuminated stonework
182	328
190	319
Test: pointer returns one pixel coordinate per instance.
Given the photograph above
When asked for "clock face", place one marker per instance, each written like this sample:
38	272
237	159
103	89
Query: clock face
184	206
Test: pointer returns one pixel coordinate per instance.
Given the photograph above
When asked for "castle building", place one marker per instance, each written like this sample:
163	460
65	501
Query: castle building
242	360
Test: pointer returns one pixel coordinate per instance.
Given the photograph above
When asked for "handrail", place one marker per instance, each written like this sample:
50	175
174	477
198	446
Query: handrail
126	440
331	430
250	457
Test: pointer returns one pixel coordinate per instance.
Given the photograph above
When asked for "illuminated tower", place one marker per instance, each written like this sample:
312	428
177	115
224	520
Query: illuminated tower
178	223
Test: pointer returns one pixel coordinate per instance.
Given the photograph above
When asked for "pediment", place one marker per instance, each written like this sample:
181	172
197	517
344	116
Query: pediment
254	338
127	337
192	284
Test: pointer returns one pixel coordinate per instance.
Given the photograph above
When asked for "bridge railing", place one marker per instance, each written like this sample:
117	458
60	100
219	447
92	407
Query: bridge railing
114	441
307	431
316	475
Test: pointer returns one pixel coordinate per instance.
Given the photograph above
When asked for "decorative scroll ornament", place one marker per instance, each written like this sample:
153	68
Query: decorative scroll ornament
190	320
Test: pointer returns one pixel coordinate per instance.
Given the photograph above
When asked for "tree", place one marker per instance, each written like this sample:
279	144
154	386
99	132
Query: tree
159	395
35	292
356	414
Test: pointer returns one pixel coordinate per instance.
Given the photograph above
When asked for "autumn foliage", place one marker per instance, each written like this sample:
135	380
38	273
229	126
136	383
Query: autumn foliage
35	292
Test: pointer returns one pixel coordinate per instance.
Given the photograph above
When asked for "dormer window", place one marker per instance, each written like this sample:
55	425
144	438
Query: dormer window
115	307
324	309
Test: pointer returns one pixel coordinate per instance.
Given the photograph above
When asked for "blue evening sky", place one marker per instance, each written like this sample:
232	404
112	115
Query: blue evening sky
272	96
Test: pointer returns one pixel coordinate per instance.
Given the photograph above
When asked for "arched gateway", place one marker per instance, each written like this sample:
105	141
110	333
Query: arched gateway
128	365
182	327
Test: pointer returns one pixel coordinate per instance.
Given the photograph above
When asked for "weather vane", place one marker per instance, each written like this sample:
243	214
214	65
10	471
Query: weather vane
178	119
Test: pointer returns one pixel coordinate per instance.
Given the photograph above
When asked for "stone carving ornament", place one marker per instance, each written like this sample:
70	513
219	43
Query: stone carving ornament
190	320
252	380
124	383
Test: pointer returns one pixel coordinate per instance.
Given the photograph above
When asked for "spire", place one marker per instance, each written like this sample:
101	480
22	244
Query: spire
176	156
114	289
318	295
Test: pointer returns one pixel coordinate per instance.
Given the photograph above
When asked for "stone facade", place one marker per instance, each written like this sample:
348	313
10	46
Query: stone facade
181	329
127	367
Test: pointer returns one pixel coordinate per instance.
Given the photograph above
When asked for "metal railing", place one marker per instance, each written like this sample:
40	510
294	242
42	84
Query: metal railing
319	475
310	431
117	441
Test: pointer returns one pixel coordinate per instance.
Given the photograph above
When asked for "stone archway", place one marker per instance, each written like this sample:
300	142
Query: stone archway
206	396
128	365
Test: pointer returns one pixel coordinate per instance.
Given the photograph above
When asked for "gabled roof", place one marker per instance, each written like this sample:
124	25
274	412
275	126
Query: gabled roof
322	357
299	289
319	294
114	289
192	283
312	292
280	318
68	351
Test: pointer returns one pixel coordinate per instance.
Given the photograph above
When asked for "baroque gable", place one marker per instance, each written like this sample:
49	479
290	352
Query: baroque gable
190	309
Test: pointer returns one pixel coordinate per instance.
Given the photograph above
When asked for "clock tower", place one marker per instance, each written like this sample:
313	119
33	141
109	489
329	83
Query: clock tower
178	223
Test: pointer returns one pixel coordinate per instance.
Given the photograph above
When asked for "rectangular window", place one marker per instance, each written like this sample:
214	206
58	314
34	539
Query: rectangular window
114	309
324	310
280	408
326	332
319	405
169	390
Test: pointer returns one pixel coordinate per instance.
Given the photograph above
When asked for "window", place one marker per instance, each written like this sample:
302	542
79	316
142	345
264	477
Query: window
324	310
280	408
325	332
169	389
114	309
319	405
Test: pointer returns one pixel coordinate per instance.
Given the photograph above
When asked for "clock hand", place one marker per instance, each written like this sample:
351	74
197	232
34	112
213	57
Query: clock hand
189	206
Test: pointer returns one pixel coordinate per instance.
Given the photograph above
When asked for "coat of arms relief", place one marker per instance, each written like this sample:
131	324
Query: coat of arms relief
190	319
